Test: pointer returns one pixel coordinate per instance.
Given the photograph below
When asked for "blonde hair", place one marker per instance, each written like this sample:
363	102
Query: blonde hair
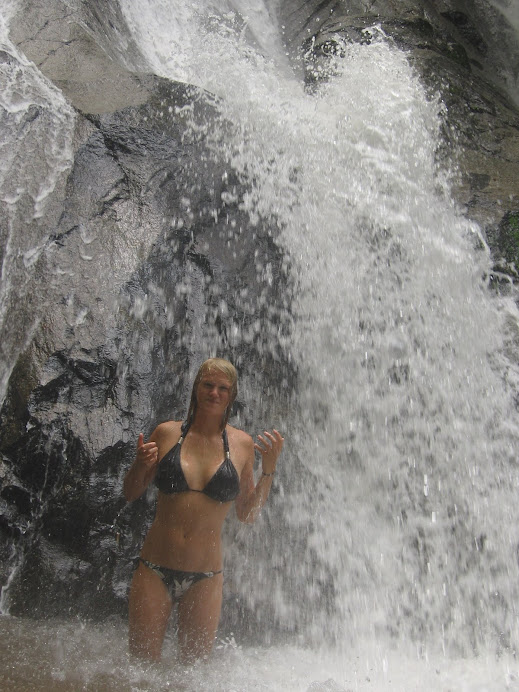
208	366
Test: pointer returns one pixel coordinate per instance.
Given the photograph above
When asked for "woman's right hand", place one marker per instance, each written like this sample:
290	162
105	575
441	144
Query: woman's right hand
147	453
142	470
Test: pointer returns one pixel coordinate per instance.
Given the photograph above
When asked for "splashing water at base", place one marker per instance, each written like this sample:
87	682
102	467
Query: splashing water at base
100	662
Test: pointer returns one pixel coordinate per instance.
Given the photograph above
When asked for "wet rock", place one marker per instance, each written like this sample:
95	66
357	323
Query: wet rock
145	268
504	243
467	30
77	46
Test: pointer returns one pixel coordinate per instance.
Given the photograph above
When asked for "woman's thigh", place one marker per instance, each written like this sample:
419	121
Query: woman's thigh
198	618
149	611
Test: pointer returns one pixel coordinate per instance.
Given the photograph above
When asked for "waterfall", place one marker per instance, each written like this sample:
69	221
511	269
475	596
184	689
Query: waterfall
401	425
394	514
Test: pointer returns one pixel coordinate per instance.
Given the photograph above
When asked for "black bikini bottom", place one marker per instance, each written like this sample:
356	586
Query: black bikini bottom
177	581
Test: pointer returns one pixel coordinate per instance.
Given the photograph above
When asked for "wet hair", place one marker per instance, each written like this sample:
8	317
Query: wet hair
222	366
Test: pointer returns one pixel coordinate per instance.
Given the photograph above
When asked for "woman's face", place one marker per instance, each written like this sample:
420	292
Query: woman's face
213	393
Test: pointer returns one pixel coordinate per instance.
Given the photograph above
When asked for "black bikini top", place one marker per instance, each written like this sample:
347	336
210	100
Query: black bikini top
224	486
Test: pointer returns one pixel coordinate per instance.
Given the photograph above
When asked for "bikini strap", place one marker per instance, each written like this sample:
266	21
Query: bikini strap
225	444
184	428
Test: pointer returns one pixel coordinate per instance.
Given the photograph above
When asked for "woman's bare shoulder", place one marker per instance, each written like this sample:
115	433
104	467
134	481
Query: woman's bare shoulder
239	437
166	430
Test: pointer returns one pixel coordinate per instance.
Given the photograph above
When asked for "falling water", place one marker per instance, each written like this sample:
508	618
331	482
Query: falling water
399	426
396	510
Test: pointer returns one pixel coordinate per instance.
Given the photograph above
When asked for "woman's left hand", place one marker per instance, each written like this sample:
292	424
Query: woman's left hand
269	446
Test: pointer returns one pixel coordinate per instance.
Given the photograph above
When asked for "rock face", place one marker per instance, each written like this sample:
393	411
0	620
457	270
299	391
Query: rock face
146	228
163	267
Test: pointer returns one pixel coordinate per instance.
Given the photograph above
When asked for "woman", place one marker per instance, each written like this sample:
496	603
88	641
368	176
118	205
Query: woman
181	559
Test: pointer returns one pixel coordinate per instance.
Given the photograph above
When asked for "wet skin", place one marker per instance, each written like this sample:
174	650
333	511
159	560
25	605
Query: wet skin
186	531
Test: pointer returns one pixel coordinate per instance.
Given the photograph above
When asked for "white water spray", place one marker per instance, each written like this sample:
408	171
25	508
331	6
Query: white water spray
399	429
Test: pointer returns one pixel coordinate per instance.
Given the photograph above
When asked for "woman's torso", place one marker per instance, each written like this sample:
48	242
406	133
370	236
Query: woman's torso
186	532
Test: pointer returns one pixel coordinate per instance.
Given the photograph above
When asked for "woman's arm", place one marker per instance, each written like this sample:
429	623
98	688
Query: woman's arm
142	470
252	498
